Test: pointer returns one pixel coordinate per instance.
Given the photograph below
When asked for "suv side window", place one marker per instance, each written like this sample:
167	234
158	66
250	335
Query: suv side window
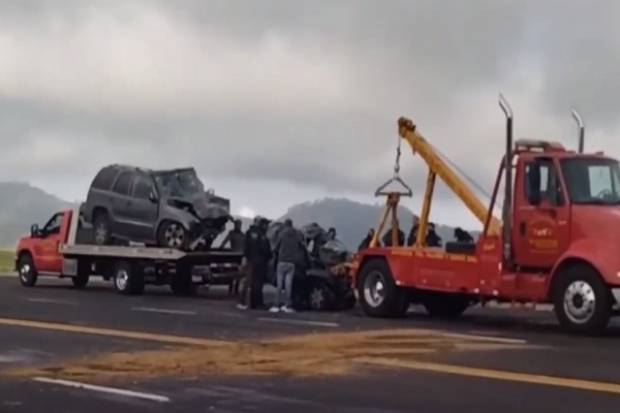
123	183
104	178
142	186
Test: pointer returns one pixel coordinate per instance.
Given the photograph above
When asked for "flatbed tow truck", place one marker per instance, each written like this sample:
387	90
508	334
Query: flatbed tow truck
558	241
61	249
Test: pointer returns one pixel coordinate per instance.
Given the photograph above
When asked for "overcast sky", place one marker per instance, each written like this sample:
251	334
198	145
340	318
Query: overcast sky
277	102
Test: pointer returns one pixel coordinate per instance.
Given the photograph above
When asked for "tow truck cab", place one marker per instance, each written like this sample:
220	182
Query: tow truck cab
557	242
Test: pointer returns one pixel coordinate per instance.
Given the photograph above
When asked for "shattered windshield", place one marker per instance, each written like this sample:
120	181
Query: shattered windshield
592	181
178	184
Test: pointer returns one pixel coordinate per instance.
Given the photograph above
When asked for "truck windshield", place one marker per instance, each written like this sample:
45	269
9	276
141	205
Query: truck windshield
178	184
592	181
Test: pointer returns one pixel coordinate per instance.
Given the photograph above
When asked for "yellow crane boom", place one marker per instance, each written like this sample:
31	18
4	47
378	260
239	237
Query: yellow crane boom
437	167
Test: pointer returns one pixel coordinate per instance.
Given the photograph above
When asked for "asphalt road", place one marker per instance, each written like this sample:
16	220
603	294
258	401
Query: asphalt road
56	345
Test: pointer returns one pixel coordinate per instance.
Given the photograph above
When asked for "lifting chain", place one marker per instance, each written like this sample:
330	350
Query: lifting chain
397	162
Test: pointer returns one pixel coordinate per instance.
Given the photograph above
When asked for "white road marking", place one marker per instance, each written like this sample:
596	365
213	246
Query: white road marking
299	322
103	389
51	301
493	339
163	311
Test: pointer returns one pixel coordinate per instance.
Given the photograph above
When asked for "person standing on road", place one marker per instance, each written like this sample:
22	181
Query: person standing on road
291	250
257	253
235	237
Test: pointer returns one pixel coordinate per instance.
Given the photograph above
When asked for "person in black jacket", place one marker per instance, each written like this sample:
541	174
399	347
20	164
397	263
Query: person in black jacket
387	238
413	235
257	253
432	239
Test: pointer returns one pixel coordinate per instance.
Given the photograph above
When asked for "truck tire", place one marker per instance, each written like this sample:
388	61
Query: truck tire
378	294
83	275
27	271
127	280
172	235
445	305
101	228
581	300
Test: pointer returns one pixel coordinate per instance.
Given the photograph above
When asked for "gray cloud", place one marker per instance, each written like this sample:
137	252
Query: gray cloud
302	93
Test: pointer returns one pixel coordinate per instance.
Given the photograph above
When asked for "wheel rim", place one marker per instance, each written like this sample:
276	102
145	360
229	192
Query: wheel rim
374	289
317	299
174	235
579	302
122	279
24	272
101	233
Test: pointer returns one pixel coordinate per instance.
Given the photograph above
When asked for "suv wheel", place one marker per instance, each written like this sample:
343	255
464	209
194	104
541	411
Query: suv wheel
172	235
101	229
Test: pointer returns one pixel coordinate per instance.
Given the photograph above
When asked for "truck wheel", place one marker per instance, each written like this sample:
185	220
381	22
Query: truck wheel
127	280
582	302
101	228
83	275
378	294
445	306
321	297
27	271
172	235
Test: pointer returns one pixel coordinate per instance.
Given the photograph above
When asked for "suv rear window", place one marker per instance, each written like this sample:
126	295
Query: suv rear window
123	183
104	178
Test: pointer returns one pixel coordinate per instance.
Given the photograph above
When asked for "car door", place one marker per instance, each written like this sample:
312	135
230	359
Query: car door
121	204
541	222
46	249
144	207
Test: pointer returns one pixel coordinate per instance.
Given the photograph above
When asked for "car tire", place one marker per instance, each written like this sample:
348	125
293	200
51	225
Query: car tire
172	234
127	279
445	306
101	228
26	270
321	297
582	301
378	294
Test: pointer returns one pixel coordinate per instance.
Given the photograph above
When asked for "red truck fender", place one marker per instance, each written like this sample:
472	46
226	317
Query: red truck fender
598	254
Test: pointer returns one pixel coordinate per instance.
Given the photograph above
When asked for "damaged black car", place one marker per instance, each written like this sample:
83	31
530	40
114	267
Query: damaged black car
168	209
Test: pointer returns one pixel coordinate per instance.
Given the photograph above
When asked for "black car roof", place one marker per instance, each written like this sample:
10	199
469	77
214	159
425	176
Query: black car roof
121	167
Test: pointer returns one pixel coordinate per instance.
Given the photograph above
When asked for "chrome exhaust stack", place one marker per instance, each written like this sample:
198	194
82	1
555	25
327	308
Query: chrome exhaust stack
582	128
507	207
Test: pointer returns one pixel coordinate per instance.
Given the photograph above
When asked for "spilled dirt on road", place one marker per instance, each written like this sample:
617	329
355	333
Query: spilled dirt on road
301	356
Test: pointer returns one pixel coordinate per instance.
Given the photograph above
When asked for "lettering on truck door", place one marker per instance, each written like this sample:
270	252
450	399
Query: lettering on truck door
542	226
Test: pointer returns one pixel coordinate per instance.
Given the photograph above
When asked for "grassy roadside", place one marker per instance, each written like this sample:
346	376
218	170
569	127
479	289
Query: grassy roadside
7	263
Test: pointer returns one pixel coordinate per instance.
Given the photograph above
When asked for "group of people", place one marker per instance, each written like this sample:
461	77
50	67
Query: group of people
289	253
432	238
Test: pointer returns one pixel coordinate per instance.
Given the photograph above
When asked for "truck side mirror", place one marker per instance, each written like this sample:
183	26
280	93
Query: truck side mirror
533	183
35	231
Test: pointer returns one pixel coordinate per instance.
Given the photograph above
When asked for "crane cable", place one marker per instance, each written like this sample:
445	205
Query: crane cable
467	177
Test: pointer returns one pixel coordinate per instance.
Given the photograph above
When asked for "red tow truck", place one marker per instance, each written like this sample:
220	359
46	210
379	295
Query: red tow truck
558	240
61	249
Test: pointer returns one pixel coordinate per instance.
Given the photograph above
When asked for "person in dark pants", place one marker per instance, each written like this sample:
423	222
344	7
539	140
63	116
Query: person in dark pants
257	253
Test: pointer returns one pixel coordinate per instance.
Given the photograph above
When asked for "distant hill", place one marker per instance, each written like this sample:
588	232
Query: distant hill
351	219
22	205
